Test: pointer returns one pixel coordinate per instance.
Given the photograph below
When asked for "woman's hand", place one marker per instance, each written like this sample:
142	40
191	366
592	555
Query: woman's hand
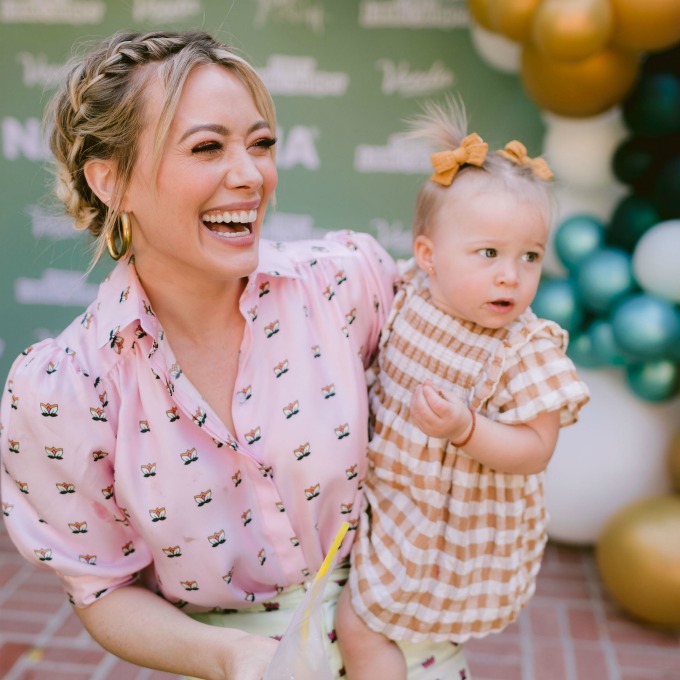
249	657
440	414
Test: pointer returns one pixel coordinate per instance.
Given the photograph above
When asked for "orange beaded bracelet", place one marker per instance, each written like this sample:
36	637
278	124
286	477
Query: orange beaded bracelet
470	433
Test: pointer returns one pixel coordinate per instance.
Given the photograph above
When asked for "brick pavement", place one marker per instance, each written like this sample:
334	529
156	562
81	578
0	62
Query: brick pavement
570	631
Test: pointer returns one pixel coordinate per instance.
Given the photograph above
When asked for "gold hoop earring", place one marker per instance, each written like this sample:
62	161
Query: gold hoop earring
125	233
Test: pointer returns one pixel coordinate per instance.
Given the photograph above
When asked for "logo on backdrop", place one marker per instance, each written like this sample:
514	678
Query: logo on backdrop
408	14
74	12
399	79
302	12
23	140
290	227
55	287
399	155
297	147
287	75
393	237
49	226
165	10
38	72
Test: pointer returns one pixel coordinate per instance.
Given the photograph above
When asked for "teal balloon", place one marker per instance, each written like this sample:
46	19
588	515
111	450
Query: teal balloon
632	217
653	107
646	326
582	352
604	278
666	194
604	345
557	300
655	380
577	237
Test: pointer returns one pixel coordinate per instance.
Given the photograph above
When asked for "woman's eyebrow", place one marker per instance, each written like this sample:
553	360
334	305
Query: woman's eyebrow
220	129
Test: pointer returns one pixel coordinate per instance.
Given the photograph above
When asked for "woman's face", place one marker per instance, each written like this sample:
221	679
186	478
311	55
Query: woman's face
199	218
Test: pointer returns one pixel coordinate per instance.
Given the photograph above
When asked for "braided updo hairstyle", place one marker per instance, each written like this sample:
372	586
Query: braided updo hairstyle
444	126
99	112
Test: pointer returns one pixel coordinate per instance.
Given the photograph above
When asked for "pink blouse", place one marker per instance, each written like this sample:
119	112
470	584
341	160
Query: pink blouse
115	464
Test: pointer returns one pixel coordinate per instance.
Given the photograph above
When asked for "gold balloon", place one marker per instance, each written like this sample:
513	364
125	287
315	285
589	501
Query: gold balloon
638	556
479	10
572	29
578	89
512	18
674	461
646	25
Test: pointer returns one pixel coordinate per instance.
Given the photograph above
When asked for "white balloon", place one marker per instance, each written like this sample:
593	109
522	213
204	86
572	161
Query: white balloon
616	454
495	49
580	150
655	260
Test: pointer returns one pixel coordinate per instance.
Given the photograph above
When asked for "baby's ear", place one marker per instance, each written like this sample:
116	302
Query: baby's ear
423	251
101	177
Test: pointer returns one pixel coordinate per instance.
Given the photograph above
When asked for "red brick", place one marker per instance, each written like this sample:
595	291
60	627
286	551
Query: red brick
583	624
549	660
544	620
9	653
590	661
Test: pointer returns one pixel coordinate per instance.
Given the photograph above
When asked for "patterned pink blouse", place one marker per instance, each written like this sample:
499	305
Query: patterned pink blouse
114	463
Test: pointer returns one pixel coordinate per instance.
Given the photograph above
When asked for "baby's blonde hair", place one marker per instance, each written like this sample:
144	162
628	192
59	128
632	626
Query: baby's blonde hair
444	126
99	112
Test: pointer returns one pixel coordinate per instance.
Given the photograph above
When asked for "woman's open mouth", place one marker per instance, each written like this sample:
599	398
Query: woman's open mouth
234	224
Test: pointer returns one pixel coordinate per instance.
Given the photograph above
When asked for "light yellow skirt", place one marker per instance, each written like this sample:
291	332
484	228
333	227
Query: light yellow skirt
425	661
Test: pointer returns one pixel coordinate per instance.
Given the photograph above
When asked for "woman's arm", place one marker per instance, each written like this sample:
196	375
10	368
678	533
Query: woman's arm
136	625
516	449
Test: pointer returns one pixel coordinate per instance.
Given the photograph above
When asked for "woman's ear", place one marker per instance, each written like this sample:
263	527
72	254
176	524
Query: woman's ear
423	251
101	177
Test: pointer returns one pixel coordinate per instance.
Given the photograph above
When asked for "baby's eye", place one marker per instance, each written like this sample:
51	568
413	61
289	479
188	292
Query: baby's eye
206	147
488	252
532	257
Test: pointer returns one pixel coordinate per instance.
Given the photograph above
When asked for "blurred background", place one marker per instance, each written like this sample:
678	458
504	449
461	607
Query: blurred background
592	85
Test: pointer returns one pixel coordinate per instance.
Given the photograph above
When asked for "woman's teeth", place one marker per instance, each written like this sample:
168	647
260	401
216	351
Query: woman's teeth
237	216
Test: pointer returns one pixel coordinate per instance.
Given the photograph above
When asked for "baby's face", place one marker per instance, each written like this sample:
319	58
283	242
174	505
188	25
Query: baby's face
488	251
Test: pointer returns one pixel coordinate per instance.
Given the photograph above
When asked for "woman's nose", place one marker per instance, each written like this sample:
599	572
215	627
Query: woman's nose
242	171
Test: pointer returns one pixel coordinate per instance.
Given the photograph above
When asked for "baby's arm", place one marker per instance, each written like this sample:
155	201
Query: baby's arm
519	449
366	654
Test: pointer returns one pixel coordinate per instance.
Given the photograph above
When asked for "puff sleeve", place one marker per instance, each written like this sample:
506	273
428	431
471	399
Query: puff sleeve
57	483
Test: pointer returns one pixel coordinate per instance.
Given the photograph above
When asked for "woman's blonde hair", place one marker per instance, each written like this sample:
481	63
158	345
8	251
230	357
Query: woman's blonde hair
444	126
98	112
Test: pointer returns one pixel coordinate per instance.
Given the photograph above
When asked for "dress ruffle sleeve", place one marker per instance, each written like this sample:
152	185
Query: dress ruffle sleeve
535	376
58	450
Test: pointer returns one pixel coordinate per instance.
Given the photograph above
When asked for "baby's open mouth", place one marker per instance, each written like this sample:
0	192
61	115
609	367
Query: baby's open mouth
230	224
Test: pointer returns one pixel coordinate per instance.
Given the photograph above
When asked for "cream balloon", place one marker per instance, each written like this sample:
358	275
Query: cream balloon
572	29
655	260
495	49
615	455
580	150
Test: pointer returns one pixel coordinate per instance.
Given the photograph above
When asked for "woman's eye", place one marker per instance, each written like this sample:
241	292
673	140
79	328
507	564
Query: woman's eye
207	147
264	143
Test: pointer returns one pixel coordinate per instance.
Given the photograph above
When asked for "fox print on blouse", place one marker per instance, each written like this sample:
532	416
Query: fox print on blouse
112	461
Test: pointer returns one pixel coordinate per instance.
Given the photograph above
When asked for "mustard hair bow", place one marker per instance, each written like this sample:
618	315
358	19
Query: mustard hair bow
472	151
517	153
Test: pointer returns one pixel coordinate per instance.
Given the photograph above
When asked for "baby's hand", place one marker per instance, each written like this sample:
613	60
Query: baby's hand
438	413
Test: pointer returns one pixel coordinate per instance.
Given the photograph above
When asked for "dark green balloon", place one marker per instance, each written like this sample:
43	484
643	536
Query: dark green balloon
582	352
557	300
577	237
655	380
603	344
638	160
646	326
604	278
653	107
667	189
631	218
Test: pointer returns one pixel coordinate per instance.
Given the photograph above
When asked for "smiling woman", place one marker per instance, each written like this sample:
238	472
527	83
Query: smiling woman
172	491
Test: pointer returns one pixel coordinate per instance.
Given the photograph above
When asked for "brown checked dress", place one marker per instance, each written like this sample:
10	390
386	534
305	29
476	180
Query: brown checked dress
448	548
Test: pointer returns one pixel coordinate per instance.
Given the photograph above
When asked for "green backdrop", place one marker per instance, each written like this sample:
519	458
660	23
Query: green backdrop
344	74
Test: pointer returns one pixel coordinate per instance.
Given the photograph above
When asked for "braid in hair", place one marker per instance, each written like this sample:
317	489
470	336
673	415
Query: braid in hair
98	113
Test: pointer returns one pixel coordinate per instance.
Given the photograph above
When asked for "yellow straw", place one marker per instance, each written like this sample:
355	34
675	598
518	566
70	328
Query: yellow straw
325	565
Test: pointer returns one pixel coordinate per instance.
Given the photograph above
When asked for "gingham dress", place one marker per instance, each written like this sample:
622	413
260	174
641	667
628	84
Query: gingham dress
448	548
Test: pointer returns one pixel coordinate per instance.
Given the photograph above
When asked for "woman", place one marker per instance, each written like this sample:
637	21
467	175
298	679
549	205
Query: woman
193	442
